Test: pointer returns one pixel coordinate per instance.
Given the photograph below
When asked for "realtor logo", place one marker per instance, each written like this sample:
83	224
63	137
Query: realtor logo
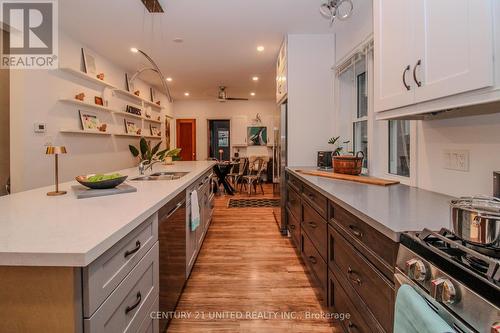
32	34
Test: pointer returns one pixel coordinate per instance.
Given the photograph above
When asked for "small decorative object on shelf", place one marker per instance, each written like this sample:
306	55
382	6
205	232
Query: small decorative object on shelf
90	122
133	110
155	131
147	114
139	131
137	93
98	100
56	151
159	118
100	76
80	97
158	103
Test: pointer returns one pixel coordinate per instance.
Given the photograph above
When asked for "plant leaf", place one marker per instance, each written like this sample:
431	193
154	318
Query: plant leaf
144	148
174	152
133	150
155	148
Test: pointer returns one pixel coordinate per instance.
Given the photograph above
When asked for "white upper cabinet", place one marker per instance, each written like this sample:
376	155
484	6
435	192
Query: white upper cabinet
393	53
428	50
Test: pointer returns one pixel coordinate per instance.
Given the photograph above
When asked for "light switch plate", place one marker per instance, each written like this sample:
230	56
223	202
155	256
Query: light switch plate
40	127
456	159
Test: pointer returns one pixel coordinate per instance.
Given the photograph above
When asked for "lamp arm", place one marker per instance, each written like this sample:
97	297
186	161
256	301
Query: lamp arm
157	70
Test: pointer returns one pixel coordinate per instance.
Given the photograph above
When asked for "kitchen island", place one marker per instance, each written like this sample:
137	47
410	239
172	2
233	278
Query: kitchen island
87	265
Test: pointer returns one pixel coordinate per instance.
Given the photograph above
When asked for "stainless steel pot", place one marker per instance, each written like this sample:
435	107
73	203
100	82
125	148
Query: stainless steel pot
477	220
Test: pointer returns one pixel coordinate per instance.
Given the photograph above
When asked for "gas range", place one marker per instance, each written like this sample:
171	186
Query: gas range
460	281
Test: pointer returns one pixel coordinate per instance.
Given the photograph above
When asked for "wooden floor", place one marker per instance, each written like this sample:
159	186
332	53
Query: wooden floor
248	278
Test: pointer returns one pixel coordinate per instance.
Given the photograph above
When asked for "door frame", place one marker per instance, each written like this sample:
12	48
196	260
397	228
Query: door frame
178	123
208	134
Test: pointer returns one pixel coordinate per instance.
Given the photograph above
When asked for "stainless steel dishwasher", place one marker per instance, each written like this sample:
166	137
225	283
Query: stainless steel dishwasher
172	256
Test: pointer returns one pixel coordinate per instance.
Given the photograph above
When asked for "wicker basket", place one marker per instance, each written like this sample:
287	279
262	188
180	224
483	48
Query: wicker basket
348	164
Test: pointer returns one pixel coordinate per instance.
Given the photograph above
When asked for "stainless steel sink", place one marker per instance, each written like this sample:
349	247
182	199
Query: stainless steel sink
161	176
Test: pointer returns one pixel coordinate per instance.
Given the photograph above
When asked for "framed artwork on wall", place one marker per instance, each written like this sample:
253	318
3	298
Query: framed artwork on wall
89	64
257	135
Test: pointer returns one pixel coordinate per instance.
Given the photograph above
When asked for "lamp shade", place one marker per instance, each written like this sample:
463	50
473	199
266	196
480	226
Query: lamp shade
55	150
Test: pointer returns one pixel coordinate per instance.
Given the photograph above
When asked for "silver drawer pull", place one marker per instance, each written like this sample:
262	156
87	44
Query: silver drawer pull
350	274
312	224
137	248
355	231
312	259
136	304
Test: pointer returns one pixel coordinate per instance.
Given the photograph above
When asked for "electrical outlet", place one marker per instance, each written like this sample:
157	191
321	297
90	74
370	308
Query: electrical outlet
456	160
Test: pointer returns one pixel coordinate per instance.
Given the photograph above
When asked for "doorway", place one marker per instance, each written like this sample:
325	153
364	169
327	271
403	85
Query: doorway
219	139
4	126
186	138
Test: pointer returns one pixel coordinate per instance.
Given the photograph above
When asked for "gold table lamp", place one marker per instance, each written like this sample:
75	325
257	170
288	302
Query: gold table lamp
56	150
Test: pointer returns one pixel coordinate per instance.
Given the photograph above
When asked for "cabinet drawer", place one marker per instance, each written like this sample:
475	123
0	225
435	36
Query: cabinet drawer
376	291
103	275
294	228
339	302
381	245
150	325
294	203
317	201
294	183
125	309
316	264
316	228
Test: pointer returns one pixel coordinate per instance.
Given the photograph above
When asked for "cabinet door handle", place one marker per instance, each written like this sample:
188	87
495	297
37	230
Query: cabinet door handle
312	224
419	83
350	274
407	69
136	304
355	231
312	259
134	250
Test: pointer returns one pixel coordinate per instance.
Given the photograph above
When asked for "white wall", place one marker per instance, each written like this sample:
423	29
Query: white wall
240	113
310	96
34	97
479	135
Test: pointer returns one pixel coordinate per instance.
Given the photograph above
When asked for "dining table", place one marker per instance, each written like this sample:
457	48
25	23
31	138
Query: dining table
221	170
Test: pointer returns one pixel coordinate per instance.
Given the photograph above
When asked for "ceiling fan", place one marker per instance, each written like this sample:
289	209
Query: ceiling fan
222	96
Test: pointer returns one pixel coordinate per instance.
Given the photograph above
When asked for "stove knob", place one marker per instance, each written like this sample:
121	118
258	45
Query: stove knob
443	290
417	270
495	328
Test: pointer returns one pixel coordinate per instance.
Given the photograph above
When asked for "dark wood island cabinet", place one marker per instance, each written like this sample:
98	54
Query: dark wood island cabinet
351	263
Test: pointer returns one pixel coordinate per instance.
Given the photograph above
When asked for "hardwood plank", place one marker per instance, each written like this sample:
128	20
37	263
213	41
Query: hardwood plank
245	265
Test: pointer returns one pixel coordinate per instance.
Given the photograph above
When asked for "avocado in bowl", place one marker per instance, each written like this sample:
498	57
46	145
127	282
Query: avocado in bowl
101	181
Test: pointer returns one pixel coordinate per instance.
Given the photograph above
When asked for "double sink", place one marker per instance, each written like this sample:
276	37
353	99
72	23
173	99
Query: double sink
161	176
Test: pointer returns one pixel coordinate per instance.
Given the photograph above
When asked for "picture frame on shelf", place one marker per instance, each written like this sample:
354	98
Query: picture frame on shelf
131	127
89	121
152	95
89	63
155	131
99	101
133	110
127	83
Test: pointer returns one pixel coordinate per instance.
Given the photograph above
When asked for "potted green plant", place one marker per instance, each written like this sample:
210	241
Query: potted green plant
338	150
148	156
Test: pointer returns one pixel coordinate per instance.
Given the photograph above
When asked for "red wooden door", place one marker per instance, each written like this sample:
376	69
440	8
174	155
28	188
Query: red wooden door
186	138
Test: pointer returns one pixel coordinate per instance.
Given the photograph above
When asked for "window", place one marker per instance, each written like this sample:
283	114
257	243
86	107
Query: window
360	123
399	147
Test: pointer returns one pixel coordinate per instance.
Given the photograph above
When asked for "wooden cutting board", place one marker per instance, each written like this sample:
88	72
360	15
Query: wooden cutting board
359	179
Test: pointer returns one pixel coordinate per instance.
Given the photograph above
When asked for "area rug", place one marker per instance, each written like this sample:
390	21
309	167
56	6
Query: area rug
253	203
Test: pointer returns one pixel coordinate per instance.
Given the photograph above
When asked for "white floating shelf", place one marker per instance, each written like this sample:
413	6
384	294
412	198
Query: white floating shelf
87	77
93	106
153	105
138	136
128	114
138	98
152	120
71	131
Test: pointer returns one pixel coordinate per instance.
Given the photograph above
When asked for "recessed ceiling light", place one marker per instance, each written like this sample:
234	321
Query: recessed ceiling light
169	79
252	94
134	50
178	40
186	94
260	48
255	78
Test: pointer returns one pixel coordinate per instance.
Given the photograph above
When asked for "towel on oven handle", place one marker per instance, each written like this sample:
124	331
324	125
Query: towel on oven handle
195	211
414	315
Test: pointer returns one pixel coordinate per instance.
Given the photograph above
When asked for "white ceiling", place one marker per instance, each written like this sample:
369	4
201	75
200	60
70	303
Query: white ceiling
220	38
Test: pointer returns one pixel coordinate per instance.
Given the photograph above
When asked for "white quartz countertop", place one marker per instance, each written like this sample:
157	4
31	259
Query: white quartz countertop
38	230
389	209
